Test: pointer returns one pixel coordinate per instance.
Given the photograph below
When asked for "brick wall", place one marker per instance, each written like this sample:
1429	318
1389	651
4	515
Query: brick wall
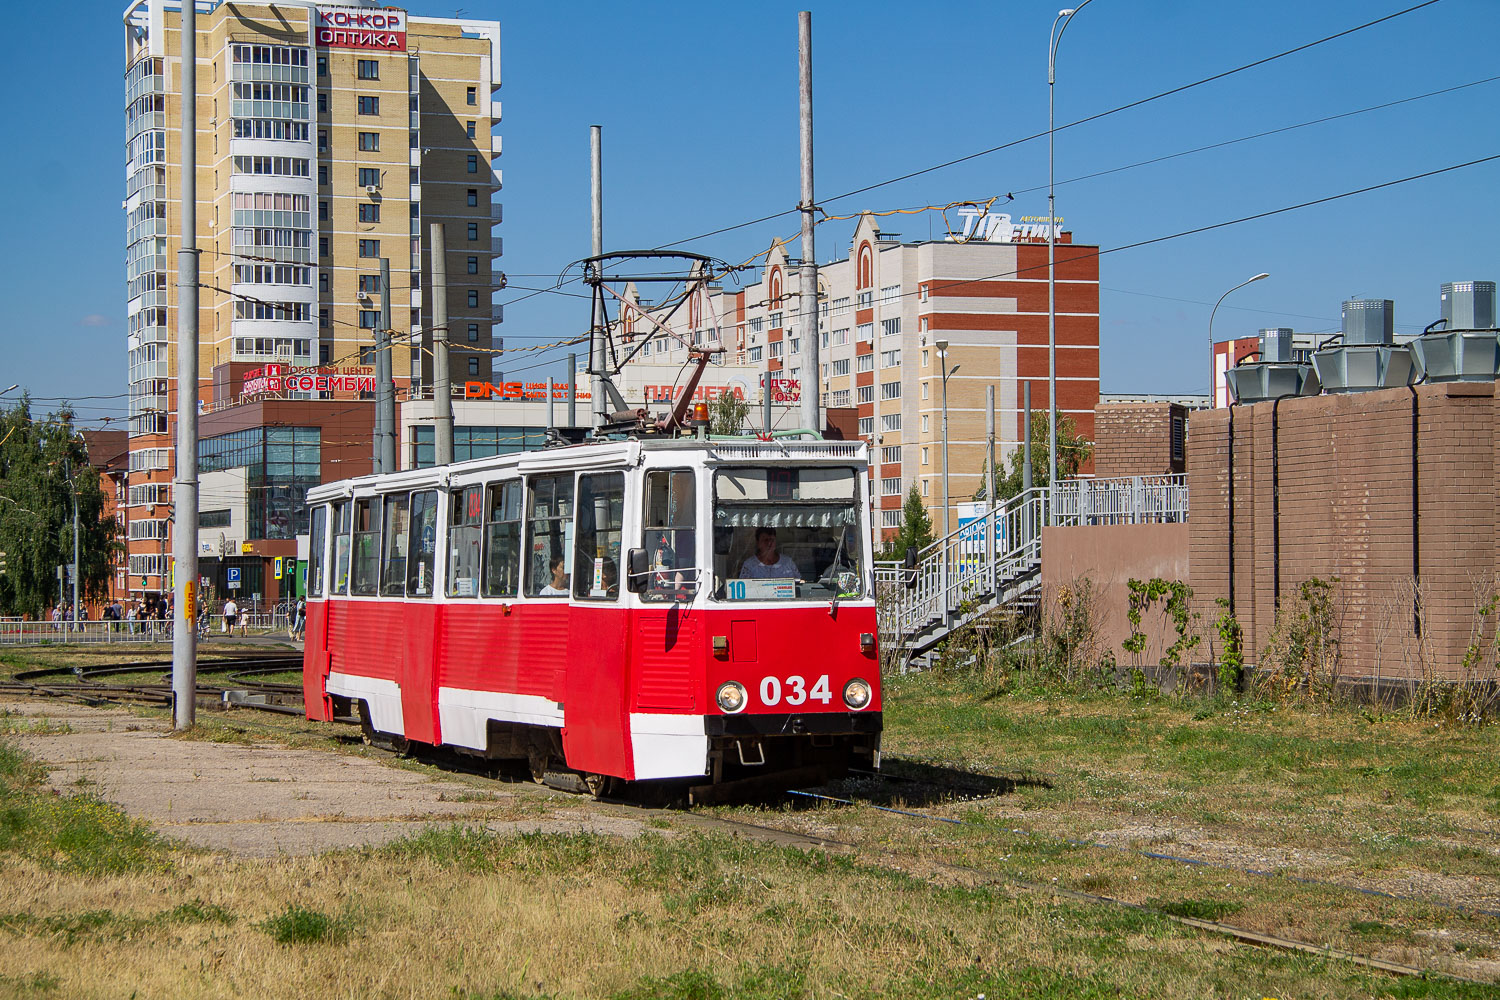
1135	439
1393	492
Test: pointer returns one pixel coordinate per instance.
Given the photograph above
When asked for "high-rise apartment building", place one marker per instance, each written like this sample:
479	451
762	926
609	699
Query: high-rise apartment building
329	138
887	312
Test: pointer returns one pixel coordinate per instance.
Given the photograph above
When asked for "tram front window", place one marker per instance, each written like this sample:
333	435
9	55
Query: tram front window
787	534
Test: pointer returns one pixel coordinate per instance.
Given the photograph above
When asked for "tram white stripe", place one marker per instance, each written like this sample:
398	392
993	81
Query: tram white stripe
464	714
668	746
383	697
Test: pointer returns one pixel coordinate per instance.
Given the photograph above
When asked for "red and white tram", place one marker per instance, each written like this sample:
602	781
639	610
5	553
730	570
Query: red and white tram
637	610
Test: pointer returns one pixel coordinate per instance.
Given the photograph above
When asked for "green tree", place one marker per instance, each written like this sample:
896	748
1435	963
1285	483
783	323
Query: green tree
36	512
727	413
1072	452
915	531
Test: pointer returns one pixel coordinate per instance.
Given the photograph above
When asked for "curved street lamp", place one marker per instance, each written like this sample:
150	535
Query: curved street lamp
1213	382
1064	16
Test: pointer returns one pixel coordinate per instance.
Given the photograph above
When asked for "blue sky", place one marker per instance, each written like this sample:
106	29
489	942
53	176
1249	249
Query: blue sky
699	108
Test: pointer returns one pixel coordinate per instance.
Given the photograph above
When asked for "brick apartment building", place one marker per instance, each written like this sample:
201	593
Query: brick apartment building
883	308
329	137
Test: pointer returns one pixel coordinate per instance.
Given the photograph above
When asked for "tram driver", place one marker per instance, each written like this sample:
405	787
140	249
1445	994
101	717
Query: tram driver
768	562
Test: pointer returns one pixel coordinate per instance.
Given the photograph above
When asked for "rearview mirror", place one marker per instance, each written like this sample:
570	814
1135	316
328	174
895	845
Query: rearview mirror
636	570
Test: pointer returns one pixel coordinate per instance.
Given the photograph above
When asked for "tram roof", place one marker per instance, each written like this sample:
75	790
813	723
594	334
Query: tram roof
601	455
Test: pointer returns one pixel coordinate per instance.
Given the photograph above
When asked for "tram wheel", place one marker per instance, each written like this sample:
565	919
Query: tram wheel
372	737
599	785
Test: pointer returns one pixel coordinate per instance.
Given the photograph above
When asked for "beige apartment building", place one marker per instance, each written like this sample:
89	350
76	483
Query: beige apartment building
884	308
329	137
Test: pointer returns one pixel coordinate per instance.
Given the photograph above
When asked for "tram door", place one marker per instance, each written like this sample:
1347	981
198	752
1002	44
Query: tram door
411	558
598	633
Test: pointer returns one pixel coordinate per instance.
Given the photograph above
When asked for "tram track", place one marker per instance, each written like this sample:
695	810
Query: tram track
87	688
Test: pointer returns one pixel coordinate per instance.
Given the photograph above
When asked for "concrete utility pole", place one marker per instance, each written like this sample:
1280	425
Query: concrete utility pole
73	490
807	295
989	437
765	396
185	484
385	387
572	390
442	392
597	404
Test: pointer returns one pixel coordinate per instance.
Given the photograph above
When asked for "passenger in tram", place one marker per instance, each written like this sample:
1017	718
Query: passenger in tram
558	587
768	563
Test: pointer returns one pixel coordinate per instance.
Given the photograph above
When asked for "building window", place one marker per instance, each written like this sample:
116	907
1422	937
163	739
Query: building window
473	95
867	394
473	231
890	327
841	366
369	319
473	197
891	455
890	294
369	212
866	426
473	265
322	65
890	421
473	333
891	487
469	126
841	337
865	332
369	142
322	103
924	488
922	293
369	105
323	175
890	359
369	248
322	211
323	284
926	424
924	390
322	246
473	366
322	140
864	300
369	69
754	354
325	353
369	284
473	164
473	298
891	390
924	456
866	363
369	177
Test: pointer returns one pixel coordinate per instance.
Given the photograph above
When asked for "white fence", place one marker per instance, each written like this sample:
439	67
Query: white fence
1127	500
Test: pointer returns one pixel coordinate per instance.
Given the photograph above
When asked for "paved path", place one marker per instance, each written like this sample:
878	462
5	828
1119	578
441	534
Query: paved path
263	799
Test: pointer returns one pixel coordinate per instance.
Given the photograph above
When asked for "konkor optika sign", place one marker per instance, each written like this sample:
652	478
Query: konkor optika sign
360	28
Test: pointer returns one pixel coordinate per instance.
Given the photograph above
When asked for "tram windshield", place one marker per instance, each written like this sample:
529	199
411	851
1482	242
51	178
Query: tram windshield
787	534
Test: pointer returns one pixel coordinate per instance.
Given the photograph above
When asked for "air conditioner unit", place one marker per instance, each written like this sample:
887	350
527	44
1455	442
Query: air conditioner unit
372	189
363	296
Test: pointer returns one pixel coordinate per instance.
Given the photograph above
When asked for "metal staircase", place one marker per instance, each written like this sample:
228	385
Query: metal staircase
990	564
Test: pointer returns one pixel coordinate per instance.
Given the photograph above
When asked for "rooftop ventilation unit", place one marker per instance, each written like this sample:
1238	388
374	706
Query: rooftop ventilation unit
1275	375
1469	305
1469	349
1366	359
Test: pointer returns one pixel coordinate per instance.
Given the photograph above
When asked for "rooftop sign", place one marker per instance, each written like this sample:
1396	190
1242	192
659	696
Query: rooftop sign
329	378
997	227
360	28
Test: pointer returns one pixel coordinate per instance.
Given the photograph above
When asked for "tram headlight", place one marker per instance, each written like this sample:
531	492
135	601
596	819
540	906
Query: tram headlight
731	697
857	694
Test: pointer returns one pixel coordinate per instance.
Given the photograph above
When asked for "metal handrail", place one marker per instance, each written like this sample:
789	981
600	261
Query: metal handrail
1122	500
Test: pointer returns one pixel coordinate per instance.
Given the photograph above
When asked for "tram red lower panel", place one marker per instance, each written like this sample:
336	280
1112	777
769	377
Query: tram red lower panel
628	687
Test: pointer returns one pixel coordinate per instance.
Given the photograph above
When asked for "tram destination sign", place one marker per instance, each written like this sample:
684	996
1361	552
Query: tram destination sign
360	28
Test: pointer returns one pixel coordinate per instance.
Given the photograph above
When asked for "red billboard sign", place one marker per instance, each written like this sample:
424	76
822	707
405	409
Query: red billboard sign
360	28
329	378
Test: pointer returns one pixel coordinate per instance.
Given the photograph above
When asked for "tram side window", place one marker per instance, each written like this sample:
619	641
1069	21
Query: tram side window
317	535
393	563
550	531
422	559
366	547
502	543
342	512
601	509
670	535
465	537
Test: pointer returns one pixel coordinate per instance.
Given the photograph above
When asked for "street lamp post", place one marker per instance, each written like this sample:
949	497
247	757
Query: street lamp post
1213	382
1063	16
942	347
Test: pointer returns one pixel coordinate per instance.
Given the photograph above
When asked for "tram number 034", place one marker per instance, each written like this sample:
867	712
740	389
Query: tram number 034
794	690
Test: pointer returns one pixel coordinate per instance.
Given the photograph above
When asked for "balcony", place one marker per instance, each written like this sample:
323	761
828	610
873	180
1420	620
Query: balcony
497	312
495	143
497	212
497	246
